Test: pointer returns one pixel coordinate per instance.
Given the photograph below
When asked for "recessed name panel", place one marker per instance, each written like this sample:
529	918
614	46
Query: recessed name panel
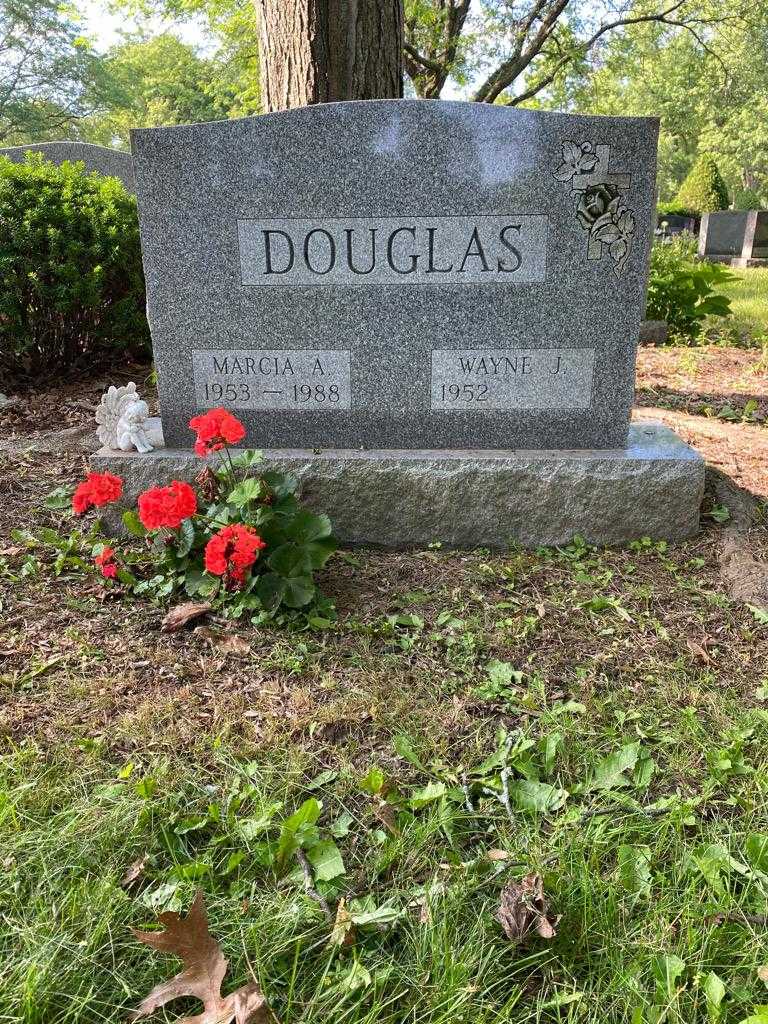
498	249
285	379
485	380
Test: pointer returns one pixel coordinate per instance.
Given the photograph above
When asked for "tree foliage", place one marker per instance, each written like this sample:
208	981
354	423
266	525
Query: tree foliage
698	64
710	92
703	189
514	51
156	81
46	69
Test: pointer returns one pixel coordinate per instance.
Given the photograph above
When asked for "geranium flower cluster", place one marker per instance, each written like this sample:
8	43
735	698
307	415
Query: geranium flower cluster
96	490
106	563
232	551
167	506
215	429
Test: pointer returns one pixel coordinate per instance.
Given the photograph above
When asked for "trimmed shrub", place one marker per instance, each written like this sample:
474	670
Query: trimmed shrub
682	289
70	264
674	210
704	189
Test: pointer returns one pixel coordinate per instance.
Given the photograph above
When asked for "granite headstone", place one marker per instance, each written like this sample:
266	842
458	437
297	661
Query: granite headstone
113	162
736	237
399	274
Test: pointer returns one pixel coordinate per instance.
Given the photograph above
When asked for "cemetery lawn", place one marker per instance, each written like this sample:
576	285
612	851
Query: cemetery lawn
749	301
634	688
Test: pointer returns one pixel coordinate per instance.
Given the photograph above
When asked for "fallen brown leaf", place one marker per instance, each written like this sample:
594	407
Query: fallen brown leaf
231	643
179	616
698	651
204	969
386	814
343	933
523	908
134	872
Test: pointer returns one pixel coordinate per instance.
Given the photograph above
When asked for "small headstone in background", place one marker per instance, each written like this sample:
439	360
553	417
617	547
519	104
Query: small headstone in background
736	237
104	159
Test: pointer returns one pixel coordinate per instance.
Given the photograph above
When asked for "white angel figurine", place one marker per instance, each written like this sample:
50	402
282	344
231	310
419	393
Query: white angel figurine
122	417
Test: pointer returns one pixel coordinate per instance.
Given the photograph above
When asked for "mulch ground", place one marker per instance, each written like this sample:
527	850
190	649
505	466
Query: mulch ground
711	381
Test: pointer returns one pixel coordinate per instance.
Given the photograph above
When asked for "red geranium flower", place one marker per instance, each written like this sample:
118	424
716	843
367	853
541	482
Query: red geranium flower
215	429
167	506
97	489
106	562
232	551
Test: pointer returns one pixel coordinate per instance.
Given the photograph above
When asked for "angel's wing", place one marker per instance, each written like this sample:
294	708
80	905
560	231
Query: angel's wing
112	406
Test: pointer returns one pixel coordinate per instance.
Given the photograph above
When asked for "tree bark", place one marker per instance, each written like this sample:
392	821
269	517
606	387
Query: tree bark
318	51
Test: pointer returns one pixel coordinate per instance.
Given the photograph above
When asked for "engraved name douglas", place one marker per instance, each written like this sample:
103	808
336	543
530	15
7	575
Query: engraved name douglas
498	249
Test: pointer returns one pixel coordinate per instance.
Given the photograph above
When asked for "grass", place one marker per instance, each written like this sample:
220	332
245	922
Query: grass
131	744
748	293
73	826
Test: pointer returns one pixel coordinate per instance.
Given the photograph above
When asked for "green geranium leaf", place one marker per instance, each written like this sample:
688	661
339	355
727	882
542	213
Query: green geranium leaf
291	560
282	485
299	590
270	590
194	580
133	524
320	551
186	538
306	526
247	490
247	459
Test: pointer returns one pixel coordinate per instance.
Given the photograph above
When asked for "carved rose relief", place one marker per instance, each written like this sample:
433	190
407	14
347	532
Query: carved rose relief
600	207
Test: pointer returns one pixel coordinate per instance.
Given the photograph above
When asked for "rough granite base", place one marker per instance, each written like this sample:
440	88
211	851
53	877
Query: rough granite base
469	499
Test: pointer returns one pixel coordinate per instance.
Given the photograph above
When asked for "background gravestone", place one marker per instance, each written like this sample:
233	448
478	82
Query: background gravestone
392	274
113	162
736	237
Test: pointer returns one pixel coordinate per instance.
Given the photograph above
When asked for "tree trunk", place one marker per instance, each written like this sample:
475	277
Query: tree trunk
317	51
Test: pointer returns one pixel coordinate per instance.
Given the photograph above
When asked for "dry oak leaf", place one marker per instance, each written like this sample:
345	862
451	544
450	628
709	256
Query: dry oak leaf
179	616
523	908
204	969
134	872
386	814
231	643
343	932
